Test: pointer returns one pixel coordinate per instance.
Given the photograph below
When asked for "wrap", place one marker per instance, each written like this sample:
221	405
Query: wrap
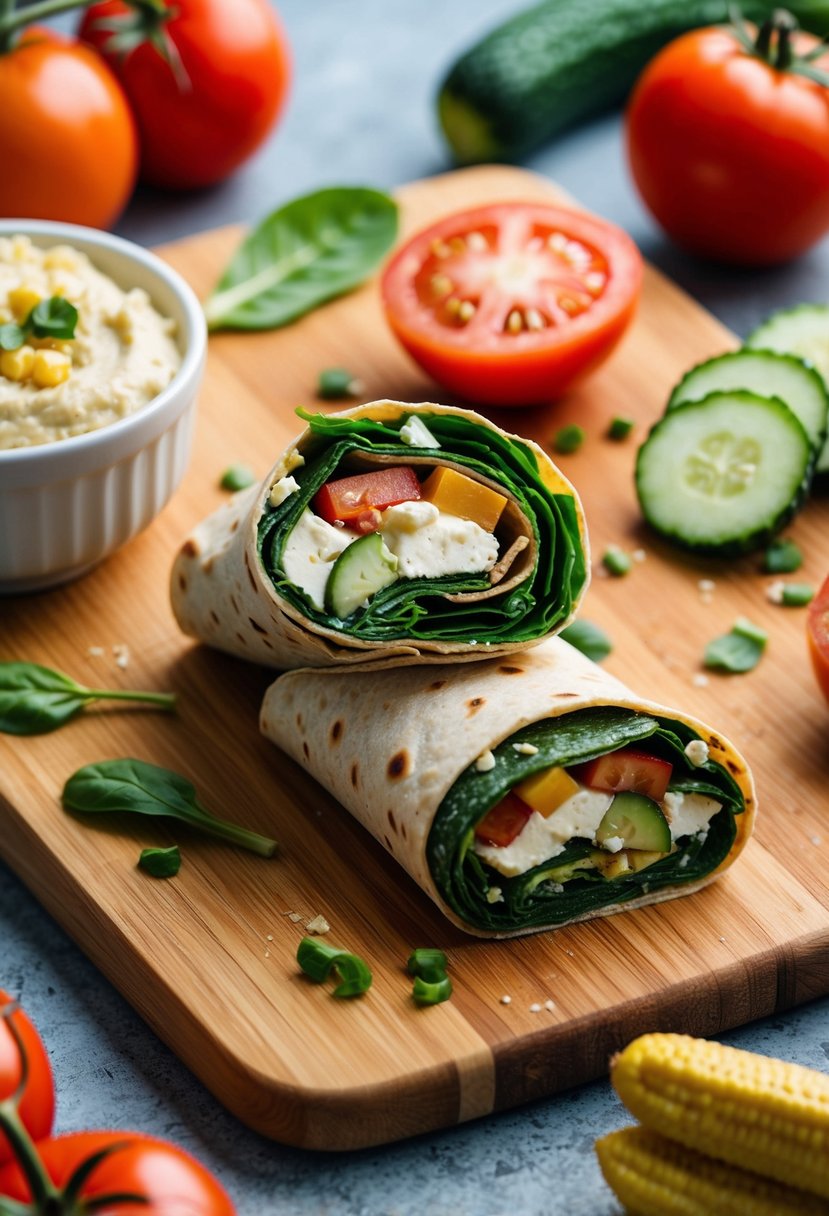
419	756
229	587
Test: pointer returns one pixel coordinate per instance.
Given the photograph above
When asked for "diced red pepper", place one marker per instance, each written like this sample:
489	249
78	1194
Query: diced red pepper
626	769
506	820
357	500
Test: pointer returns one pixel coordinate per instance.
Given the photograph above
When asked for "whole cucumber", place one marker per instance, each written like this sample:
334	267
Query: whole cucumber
562	61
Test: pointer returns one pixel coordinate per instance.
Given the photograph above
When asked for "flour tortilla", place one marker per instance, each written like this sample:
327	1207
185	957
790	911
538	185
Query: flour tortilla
390	744
221	595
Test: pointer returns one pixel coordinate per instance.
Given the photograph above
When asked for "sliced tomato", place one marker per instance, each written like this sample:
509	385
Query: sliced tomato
818	633
357	500
506	820
511	304
626	769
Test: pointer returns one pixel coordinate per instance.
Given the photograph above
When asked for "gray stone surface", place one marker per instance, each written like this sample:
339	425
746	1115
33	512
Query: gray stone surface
361	111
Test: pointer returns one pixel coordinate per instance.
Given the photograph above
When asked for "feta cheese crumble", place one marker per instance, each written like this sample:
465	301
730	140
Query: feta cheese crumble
697	752
485	762
282	490
416	433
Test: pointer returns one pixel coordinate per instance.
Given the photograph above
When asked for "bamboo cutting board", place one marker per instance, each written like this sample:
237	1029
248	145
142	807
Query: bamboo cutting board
208	958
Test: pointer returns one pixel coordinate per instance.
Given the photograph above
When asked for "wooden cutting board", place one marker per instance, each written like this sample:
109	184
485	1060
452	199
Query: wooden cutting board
208	958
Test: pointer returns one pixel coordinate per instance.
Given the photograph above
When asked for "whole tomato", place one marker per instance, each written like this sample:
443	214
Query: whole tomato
728	142
170	1181
206	80
68	144
37	1103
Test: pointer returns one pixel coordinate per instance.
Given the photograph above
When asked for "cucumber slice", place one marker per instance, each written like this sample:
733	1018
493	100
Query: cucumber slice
637	821
804	331
361	570
769	374
722	475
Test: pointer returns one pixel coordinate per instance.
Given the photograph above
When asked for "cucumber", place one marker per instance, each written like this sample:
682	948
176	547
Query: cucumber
361	570
722	475
804	331
767	374
562	61
637	821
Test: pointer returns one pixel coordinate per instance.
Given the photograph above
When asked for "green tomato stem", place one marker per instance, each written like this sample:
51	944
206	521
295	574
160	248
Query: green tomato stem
44	1193
12	19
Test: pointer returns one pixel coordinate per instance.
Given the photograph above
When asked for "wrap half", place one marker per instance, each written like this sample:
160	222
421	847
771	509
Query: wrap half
521	794
430	579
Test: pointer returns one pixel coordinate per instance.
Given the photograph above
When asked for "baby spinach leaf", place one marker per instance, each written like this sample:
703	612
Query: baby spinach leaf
161	863
737	651
115	786
304	253
35	699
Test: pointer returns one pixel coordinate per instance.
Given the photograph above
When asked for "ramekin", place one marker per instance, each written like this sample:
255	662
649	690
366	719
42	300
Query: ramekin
66	505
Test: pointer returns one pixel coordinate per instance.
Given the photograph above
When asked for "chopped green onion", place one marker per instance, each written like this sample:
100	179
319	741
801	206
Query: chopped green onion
237	477
796	595
335	383
616	561
161	863
620	428
568	439
317	960
427	964
589	639
431	992
782	557
737	651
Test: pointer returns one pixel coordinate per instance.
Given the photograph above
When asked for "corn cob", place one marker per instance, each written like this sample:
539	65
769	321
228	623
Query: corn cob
653	1176
767	1116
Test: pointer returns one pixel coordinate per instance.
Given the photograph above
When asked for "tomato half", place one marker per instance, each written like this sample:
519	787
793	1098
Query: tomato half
626	769
172	1182
512	304
207	106
37	1105
818	635
355	500
730	153
67	138
504	822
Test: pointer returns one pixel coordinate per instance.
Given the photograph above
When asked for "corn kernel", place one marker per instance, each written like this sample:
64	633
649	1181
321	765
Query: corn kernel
17	364
22	300
50	368
60	257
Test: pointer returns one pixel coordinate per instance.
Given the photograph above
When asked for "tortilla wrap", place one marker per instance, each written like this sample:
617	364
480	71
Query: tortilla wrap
229	588
403	752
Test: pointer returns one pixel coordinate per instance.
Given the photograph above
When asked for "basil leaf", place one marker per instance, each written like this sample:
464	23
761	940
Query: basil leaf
589	639
737	651
161	863
12	336
53	318
115	786
35	700
312	249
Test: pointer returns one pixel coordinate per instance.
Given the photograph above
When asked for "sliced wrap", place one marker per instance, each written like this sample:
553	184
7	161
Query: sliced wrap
229	582
420	756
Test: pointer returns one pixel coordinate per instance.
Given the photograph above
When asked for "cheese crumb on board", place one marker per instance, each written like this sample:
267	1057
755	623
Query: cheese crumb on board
318	925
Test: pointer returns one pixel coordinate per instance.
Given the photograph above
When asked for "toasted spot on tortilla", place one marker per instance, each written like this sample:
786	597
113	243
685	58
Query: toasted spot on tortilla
256	625
403	830
207	567
299	721
398	766
336	731
392	821
305	751
214	617
474	705
512	671
182	582
250	572
233	602
355	774
388	844
189	549
437	684
234	525
242	639
732	766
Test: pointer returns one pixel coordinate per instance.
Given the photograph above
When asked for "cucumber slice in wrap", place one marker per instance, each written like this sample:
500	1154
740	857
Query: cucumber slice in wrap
802	331
637	821
722	475
569	886
418	608
361	570
768	374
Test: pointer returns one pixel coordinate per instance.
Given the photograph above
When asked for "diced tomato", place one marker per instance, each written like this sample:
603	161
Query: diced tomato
356	500
504	822
626	769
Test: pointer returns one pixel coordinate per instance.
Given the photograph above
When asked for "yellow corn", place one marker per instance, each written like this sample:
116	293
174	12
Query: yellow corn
653	1176
767	1116
50	368
17	364
22	300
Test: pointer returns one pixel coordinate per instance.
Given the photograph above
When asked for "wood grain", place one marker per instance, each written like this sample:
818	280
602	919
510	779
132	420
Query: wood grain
208	958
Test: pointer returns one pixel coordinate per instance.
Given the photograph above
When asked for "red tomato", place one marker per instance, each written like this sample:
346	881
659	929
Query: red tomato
357	500
173	1182
67	137
626	769
818	634
730	153
37	1105
506	820
205	109
513	303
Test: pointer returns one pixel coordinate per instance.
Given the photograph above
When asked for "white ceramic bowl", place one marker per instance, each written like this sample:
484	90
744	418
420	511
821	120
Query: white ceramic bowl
66	505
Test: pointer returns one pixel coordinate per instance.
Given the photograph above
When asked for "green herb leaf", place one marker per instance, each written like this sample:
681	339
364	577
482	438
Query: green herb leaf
568	439
53	318
35	699
782	557
619	428
237	477
161	863
312	249
616	561
116	786
12	336
589	639
318	960
335	383
737	651
432	992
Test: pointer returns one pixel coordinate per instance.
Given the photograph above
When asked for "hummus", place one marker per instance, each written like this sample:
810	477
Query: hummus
122	355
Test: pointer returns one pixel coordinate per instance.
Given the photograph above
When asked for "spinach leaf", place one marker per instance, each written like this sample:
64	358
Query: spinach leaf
161	863
304	253
588	638
737	651
114	786
35	699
